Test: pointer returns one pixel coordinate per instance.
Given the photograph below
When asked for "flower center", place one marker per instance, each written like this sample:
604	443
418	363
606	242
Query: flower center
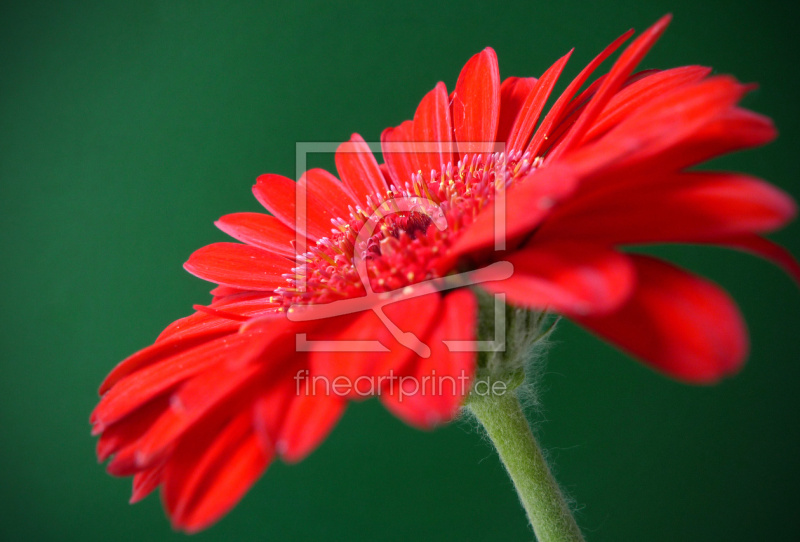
396	238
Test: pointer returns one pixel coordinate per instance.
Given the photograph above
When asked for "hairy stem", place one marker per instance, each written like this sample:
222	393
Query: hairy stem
505	423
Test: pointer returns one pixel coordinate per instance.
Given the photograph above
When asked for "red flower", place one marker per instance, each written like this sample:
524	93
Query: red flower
205	409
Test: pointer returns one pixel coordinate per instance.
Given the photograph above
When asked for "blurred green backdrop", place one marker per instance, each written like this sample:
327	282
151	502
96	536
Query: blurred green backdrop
128	127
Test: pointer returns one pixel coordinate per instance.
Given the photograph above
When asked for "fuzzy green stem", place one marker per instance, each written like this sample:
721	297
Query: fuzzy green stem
505	423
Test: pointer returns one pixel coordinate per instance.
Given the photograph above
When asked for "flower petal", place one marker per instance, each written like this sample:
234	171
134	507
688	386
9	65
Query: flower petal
476	102
398	152
159	351
138	388
414	315
359	170
432	124
680	208
309	419
240	266
144	482
558	110
641	92
237	305
646	134
193	401
224	292
272	404
732	130
677	323
260	230
516	214
513	93
325	187
567	277
432	389
253	356
533	106
763	248
622	68
122	433
279	195
209	473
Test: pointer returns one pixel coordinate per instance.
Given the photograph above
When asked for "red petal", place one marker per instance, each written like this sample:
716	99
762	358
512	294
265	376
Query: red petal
476	102
239	266
399	154
270	408
677	323
570	278
513	93
279	195
660	125
732	130
431	391
208	476
764	248
308	421
525	205
223	292
162	350
530	111
684	207
241	304
224	387
387	175
432	124
124	462
138	388
259	230
642	92
412	316
622	68
324	187
549	137
559	108
126	431
144	482
359	170
192	402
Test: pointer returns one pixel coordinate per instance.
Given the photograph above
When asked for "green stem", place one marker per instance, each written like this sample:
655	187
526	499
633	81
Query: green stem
504	420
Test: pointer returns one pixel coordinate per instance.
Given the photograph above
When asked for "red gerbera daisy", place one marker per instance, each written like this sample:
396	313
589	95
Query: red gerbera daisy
221	393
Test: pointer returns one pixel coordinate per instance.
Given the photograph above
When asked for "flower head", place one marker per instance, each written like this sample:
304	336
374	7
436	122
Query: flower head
484	189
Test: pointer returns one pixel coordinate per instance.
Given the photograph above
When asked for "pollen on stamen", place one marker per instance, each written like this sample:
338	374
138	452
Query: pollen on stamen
404	245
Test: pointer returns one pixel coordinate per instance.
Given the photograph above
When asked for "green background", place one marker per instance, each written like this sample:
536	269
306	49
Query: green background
127	128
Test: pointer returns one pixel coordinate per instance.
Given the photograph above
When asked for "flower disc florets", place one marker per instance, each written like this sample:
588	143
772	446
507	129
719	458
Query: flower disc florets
400	235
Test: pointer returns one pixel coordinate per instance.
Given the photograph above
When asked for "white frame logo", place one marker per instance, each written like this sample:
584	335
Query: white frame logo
377	301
